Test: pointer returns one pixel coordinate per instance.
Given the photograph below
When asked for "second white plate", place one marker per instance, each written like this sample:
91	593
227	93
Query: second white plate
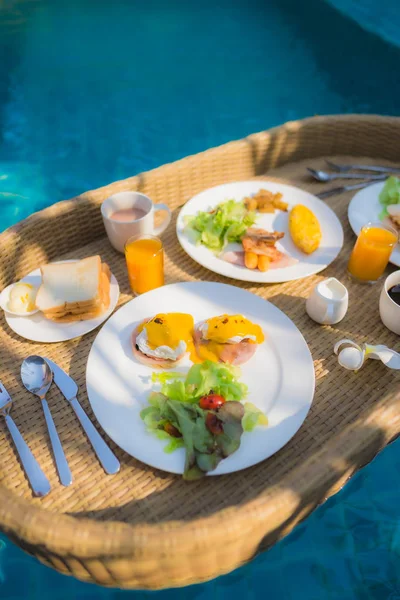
332	232
37	328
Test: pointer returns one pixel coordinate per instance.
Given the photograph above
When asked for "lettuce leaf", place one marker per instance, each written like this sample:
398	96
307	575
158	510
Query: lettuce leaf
166	376
204	451
191	422
173	442
217	377
156	416
200	380
390	194
172	385
177	404
253	416
226	223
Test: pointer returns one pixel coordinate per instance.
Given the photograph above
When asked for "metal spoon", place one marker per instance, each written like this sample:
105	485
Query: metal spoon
37	377
324	176
38	480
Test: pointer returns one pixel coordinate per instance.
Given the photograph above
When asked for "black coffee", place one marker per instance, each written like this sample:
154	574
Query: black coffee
394	293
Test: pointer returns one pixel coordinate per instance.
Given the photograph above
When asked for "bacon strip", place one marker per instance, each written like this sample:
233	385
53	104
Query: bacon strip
260	241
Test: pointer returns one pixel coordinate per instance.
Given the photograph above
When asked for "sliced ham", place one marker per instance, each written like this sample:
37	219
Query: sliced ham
279	260
232	354
235	258
283	261
238	354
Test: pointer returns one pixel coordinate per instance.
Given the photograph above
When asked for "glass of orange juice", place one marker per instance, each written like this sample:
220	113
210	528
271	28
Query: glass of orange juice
145	262
371	252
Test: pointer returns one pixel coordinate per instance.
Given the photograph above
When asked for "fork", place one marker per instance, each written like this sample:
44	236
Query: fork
320	175
342	189
38	480
374	168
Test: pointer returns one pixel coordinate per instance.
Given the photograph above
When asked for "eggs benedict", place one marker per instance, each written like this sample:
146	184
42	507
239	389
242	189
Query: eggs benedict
231	339
163	340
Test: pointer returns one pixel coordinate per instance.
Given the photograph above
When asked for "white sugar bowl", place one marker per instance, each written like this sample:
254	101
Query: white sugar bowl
328	302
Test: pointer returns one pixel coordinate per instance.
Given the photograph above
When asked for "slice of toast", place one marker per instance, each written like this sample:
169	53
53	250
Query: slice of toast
74	291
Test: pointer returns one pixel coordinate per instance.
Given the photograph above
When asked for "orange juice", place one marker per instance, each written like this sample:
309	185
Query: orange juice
145	263
371	252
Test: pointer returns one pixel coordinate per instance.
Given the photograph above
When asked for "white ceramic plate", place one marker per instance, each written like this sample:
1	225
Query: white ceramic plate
39	329
280	375
332	232
365	207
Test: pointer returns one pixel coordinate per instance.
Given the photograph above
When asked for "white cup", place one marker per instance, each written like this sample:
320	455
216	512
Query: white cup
388	309
328	302
120	231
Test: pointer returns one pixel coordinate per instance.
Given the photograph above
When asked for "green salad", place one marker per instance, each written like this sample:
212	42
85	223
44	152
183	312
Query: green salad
201	412
390	194
226	223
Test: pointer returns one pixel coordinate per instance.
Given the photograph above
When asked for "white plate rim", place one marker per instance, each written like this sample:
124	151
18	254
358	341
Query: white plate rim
86	326
241	274
309	383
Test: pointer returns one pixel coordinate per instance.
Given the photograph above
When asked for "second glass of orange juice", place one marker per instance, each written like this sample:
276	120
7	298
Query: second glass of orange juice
371	252
145	262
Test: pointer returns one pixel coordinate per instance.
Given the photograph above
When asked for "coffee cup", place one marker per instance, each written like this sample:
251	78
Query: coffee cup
388	309
128	214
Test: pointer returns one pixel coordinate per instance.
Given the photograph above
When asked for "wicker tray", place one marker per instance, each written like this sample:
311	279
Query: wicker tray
148	529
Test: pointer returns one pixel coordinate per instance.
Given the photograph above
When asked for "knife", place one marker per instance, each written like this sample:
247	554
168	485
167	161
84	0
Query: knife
69	390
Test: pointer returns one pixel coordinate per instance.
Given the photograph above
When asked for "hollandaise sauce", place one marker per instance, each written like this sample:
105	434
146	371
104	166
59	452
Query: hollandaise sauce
170	329
220	333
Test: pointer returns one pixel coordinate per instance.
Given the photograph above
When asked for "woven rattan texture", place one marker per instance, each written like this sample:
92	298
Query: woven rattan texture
143	521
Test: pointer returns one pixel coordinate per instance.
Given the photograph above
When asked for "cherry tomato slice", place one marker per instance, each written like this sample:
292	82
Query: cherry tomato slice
211	402
214	424
172	430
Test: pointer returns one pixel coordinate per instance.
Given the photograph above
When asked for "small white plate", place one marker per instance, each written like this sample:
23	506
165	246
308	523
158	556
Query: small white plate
332	232
280	375
365	207
5	299
37	328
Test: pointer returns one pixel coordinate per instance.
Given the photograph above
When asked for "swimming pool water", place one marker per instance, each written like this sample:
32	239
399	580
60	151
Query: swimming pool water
91	92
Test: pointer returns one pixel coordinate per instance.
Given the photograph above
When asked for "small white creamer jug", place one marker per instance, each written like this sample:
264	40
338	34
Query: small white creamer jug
328	302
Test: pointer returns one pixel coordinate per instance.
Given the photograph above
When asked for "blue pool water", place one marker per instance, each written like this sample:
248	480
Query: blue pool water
91	92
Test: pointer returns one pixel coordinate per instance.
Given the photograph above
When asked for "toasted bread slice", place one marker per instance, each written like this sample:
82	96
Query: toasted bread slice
79	292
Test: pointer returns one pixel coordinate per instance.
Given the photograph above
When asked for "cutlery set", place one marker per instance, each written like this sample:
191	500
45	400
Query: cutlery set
37	374
369	173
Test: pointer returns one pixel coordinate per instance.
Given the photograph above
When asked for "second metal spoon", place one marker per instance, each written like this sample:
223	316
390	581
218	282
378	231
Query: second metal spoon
37	377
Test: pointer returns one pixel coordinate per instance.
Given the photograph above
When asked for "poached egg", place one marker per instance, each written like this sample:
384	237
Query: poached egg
218	332
166	335
230	329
